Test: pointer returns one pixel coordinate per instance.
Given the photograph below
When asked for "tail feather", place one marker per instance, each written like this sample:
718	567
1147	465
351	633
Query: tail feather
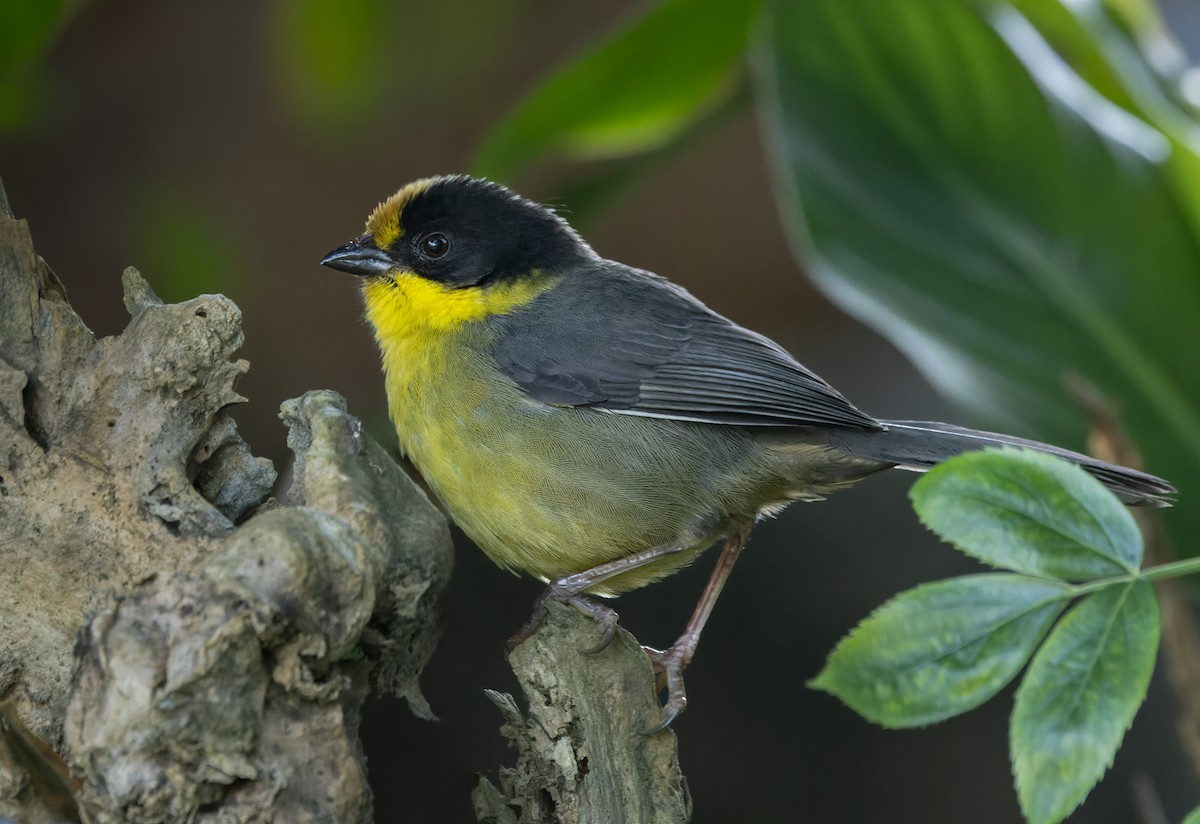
919	445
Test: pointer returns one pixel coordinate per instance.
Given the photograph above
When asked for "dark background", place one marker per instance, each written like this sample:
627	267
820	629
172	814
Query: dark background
226	146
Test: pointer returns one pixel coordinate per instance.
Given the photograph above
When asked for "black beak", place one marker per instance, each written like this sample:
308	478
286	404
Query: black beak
359	257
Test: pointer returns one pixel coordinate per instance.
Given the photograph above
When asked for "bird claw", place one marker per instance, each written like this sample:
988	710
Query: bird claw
668	674
604	617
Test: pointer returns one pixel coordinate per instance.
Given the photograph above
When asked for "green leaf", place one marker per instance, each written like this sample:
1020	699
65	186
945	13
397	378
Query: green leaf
951	180
1122	49
1029	512
1116	46
1193	817
1079	697
633	93
941	649
594	189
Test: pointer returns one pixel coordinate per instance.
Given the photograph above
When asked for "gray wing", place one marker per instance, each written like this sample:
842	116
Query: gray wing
647	347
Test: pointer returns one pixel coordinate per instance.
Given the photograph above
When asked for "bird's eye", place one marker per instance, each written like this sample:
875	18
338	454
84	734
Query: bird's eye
435	245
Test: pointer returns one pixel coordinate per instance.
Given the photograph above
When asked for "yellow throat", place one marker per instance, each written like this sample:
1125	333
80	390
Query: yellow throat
427	330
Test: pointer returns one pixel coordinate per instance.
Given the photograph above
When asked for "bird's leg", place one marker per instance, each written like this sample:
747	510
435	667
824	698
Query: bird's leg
570	588
669	663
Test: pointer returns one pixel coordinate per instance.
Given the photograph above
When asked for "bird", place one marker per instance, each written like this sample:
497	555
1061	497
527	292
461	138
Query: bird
595	425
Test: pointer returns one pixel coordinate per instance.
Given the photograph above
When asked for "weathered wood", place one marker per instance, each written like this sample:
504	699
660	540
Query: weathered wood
196	652
582	756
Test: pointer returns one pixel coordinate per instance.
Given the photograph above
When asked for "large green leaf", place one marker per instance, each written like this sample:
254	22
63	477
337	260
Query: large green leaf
1121	49
1029	512
633	93
1079	697
952	180
941	649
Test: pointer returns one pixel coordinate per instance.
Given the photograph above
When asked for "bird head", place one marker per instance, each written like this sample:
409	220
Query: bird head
460	232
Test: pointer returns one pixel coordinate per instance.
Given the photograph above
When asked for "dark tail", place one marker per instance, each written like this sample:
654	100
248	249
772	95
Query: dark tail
918	445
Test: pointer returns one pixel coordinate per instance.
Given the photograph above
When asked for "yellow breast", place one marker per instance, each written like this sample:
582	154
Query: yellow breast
448	406
547	490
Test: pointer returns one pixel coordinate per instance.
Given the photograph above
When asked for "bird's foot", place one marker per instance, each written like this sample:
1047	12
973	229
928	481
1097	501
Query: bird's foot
604	617
668	674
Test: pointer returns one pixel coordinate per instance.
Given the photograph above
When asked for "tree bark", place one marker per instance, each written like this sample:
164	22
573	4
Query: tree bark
189	669
582	755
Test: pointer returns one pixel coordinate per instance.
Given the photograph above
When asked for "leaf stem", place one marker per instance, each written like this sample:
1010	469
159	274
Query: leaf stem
1175	569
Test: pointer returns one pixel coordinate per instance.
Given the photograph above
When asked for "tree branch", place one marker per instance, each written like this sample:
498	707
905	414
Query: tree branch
581	753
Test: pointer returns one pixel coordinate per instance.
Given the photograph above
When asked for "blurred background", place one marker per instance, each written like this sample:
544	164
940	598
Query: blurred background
226	146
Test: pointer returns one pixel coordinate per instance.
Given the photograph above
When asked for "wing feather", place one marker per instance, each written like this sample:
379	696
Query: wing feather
649	348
